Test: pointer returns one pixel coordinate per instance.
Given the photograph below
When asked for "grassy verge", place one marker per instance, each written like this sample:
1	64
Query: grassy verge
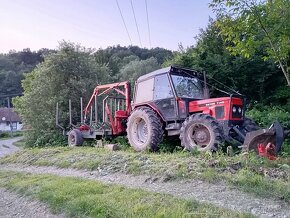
247	172
7	135
82	198
20	143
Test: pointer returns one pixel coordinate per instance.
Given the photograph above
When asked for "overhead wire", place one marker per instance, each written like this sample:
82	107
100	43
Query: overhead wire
132	6
124	22
148	23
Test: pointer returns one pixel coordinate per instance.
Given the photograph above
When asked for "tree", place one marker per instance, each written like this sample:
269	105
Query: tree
210	55
70	73
251	25
136	68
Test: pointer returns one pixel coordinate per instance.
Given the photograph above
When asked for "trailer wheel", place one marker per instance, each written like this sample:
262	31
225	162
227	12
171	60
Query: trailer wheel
249	125
201	131
144	129
75	138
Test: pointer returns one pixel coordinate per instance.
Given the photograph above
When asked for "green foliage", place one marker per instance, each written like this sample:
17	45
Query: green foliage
70	73
210	54
13	66
4	134
117	57
251	26
8	134
265	115
135	69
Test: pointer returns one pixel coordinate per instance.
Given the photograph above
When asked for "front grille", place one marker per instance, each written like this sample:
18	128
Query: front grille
219	112
237	111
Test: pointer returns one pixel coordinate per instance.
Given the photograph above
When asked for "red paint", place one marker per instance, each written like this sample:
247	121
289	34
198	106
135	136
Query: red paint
267	151
207	106
117	127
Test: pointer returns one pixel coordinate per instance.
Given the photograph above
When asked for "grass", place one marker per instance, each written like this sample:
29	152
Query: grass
247	172
7	135
82	198
20	143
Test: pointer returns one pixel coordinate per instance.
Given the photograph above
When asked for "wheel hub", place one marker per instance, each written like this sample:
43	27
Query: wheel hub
141	131
200	135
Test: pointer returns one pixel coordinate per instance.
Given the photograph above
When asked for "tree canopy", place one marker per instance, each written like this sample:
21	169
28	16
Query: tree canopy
252	27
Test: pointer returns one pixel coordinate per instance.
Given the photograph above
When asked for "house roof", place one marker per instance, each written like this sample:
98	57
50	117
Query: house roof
5	114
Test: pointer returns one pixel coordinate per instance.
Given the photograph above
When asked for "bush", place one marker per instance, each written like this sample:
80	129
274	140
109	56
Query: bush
4	134
266	115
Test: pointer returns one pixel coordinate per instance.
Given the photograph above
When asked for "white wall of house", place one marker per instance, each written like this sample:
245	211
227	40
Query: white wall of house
16	126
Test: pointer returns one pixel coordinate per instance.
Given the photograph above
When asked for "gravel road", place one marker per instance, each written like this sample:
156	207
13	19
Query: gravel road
14	205
7	147
217	194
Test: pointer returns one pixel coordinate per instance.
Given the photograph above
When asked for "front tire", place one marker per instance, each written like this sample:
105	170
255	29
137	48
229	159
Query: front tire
249	125
144	129
201	131
75	138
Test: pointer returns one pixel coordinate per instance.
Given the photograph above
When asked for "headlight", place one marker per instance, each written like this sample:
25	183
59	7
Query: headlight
240	110
234	109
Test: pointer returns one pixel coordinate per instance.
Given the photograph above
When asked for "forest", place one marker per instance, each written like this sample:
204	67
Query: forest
238	57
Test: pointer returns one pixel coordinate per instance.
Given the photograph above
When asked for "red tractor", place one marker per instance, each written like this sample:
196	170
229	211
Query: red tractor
172	101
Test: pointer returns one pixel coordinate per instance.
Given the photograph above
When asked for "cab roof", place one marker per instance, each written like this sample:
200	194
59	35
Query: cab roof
173	69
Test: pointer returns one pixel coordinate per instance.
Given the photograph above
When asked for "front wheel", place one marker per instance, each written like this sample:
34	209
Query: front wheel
144	129
201	131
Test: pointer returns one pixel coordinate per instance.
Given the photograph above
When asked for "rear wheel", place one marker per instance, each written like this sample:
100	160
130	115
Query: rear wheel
75	138
144	129
201	131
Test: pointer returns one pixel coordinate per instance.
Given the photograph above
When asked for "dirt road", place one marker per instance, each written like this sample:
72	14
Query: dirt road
7	147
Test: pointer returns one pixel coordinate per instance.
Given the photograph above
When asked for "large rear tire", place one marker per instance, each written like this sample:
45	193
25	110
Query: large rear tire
201	131
75	138
144	129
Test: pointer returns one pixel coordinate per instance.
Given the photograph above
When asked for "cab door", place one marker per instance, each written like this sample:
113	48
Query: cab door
163	97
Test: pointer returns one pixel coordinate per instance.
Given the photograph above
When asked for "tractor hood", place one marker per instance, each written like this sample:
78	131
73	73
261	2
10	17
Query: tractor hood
226	108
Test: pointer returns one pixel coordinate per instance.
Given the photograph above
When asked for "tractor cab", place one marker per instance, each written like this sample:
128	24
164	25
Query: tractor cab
176	93
168	91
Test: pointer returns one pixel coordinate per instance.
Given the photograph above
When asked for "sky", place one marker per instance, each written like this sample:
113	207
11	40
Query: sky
37	24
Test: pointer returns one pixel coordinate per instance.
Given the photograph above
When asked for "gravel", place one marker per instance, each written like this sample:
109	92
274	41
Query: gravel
7	147
14	205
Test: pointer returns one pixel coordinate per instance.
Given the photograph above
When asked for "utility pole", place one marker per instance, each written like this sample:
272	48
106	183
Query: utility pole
10	120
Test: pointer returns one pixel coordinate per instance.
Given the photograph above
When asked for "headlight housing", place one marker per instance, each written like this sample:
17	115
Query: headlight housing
234	109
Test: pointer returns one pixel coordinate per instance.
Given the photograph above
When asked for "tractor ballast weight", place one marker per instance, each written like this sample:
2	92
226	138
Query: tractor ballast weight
172	101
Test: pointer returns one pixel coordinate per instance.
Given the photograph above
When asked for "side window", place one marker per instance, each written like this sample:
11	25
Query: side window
162	88
144	91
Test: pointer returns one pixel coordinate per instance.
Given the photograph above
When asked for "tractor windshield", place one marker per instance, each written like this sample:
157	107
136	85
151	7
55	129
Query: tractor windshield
187	87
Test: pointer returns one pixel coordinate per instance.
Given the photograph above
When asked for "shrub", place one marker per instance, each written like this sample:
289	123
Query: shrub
265	116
